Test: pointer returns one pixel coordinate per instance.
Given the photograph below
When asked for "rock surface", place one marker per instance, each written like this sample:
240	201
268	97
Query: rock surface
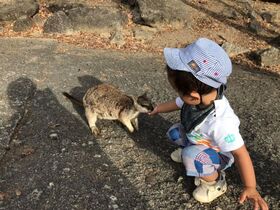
165	11
64	5
23	23
98	19
270	57
234	49
50	160
155	24
59	22
13	9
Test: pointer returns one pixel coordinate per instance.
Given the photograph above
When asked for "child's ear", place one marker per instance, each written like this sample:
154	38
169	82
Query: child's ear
195	95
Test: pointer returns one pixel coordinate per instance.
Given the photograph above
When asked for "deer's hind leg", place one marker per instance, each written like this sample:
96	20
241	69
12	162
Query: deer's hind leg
92	118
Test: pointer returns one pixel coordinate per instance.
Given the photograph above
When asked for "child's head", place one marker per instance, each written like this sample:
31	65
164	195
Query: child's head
201	67
184	82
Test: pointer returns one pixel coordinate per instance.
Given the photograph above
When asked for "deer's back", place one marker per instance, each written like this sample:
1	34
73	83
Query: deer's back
107	101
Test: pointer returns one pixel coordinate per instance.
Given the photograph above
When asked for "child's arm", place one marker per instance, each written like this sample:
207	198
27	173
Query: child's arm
165	107
246	170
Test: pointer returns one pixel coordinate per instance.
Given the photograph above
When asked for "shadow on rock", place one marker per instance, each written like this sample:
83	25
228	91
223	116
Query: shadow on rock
17	99
55	163
151	137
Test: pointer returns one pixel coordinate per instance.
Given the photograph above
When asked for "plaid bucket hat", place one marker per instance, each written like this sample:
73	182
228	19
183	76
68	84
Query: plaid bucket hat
204	58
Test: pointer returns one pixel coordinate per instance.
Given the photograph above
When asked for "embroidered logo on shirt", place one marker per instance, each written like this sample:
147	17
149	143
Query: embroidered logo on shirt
193	65
229	138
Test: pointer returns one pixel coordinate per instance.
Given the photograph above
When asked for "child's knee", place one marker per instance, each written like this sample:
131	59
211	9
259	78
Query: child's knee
200	160
176	134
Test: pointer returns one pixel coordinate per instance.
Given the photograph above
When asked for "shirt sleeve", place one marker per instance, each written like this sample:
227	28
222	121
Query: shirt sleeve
227	135
179	102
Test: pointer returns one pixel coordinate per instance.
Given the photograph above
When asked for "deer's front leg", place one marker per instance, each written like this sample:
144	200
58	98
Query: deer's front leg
128	124
135	123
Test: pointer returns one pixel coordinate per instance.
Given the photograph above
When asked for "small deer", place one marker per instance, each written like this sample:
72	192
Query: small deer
105	101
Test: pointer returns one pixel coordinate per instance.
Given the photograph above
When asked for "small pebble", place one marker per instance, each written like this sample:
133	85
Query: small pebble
18	192
113	198
51	184
180	179
97	156
107	187
115	206
53	136
2	196
66	169
188	205
17	142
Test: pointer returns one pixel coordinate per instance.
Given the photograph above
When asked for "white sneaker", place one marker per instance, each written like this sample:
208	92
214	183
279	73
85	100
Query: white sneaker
209	191
176	155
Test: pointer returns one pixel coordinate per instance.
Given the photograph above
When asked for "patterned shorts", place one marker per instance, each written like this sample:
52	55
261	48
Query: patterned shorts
199	160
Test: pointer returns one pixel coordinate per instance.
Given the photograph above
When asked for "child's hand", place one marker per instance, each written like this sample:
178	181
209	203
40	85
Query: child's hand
252	194
154	112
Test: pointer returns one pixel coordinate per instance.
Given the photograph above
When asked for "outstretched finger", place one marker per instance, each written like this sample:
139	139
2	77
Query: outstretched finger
155	111
257	207
242	198
152	113
263	204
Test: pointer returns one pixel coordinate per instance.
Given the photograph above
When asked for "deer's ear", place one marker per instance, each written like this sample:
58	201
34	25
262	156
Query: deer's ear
144	95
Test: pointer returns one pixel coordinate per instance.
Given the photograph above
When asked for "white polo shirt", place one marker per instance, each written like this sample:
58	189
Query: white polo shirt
219	130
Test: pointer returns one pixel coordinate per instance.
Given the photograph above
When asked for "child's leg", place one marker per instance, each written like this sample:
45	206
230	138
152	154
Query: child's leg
201	161
177	135
204	163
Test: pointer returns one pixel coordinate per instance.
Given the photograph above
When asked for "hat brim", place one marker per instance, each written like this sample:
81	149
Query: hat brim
173	60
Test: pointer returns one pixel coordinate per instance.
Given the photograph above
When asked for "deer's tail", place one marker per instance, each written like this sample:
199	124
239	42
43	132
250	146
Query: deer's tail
73	99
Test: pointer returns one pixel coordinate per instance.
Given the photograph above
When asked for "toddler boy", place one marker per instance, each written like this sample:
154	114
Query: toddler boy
208	134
